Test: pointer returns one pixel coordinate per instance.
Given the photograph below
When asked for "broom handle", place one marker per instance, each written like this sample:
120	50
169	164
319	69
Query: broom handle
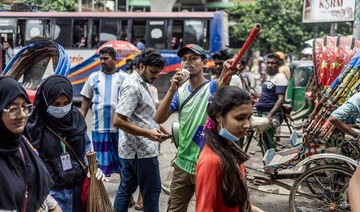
254	32
91	156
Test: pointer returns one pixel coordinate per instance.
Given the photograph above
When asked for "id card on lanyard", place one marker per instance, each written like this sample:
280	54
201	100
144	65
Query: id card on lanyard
65	158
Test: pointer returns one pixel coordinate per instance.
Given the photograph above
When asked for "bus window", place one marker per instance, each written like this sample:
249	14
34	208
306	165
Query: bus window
196	31
177	34
34	28
156	38
108	29
80	33
62	35
138	33
124	31
20	33
7	30
47	29
95	29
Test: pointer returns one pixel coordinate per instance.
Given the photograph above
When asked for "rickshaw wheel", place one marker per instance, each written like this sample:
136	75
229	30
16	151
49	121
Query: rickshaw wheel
329	189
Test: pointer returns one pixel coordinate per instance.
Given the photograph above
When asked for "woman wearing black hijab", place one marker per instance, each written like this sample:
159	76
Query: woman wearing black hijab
24	180
55	113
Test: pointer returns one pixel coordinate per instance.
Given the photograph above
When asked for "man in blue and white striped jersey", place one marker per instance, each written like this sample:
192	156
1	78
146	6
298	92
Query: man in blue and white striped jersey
102	89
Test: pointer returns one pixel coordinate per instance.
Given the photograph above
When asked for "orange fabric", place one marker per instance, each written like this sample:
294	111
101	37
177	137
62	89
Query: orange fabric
281	55
208	183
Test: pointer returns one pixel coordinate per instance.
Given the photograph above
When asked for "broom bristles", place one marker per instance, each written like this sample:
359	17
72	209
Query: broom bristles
98	197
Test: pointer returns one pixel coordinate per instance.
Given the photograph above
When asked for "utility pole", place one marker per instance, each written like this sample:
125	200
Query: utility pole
356	29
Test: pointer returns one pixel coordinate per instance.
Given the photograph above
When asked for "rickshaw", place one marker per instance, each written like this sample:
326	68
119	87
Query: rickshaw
300	81
301	71
325	157
34	62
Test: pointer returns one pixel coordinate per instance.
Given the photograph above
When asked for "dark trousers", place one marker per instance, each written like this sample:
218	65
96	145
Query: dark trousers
145	173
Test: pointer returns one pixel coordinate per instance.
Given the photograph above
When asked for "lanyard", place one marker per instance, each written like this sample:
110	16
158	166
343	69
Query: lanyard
63	147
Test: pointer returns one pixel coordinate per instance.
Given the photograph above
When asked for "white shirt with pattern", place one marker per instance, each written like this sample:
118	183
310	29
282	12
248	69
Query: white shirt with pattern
137	105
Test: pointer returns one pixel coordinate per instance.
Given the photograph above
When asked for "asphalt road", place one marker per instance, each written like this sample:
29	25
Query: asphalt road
266	197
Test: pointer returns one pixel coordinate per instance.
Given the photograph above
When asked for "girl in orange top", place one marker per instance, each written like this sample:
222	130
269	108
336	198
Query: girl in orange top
220	173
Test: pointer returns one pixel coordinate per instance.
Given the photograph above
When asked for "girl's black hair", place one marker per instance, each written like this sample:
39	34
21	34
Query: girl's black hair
234	192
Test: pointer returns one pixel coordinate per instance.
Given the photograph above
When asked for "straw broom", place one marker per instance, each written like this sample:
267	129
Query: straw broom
98	198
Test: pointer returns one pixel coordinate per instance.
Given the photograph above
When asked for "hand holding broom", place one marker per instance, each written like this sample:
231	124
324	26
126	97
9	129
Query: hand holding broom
99	175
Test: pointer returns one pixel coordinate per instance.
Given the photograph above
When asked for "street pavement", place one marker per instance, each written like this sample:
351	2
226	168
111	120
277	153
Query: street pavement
266	197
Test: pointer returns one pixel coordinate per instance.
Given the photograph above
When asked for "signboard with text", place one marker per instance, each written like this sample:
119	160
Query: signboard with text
317	11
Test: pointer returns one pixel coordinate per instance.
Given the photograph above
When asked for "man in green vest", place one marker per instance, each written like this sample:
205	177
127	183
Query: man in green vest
190	99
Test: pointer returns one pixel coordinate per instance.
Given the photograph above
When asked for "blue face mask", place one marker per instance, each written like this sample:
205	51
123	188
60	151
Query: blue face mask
227	135
59	112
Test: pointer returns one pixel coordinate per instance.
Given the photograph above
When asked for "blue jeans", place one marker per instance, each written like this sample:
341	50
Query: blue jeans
145	173
68	199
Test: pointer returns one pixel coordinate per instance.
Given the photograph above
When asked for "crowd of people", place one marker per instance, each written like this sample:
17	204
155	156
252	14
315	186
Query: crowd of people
43	146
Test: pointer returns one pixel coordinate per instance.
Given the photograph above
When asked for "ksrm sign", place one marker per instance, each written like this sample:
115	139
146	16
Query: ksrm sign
317	11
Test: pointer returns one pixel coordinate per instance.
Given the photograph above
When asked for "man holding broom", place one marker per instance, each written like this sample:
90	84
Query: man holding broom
140	147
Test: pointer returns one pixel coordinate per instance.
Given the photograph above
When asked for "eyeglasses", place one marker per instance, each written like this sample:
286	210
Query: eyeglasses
271	63
15	111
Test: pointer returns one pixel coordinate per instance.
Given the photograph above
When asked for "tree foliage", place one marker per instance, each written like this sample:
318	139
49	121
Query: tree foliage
52	5
282	27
